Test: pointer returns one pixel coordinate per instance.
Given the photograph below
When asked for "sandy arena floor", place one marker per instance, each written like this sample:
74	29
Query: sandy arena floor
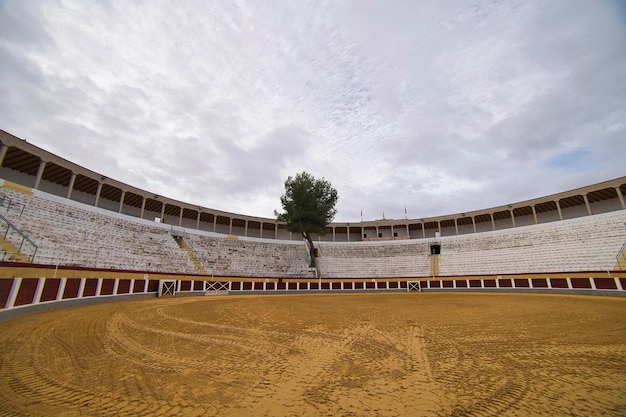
397	354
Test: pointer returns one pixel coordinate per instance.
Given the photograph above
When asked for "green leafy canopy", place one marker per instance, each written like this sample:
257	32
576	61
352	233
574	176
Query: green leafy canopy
309	204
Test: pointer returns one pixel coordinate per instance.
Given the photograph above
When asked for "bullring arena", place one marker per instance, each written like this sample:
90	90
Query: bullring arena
116	301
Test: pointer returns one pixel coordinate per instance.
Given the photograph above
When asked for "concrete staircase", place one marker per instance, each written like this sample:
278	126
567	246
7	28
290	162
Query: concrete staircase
186	247
12	252
434	265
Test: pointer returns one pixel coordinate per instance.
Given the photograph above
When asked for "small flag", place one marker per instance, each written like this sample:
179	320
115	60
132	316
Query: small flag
406	213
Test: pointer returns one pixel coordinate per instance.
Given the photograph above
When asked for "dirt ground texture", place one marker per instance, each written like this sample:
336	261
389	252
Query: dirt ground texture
394	354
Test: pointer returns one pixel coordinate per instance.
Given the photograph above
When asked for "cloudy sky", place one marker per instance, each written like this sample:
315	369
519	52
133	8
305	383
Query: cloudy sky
436	106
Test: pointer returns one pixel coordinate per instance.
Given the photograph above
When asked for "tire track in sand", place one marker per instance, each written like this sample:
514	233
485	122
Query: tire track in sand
340	373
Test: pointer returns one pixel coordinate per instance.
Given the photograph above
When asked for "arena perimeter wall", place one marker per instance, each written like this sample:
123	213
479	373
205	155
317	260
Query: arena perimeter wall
71	287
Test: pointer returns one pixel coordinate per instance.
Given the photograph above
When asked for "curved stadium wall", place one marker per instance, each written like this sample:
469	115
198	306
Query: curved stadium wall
96	239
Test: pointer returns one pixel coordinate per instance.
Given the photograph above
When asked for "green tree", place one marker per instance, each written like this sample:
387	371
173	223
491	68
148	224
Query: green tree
309	206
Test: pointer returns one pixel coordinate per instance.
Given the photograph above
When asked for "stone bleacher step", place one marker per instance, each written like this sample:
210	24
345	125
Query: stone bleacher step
185	246
13	251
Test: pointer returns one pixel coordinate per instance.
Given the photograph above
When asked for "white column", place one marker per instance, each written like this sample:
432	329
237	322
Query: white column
61	289
143	207
115	285
99	287
42	165
70	187
15	288
587	204
558	209
618	283
39	290
81	288
98	194
132	285
569	283
122	201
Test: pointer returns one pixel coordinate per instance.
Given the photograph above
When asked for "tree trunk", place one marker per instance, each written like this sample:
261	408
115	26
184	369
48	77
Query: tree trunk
307	236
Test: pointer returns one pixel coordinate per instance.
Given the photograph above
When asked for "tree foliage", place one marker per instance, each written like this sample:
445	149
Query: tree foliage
309	205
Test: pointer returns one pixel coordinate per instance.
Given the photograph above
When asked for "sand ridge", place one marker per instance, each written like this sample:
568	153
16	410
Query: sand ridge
402	354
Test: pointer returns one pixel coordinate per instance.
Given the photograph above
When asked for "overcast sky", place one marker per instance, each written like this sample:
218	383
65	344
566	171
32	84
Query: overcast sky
437	106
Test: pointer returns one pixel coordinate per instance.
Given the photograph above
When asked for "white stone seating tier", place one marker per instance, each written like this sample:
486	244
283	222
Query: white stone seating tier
374	259
581	244
250	257
70	235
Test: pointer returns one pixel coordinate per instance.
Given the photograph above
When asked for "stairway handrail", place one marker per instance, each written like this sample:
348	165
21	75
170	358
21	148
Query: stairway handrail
19	232
5	197
620	254
181	233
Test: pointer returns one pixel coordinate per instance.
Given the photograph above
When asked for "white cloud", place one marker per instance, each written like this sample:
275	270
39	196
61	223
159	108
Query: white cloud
442	107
